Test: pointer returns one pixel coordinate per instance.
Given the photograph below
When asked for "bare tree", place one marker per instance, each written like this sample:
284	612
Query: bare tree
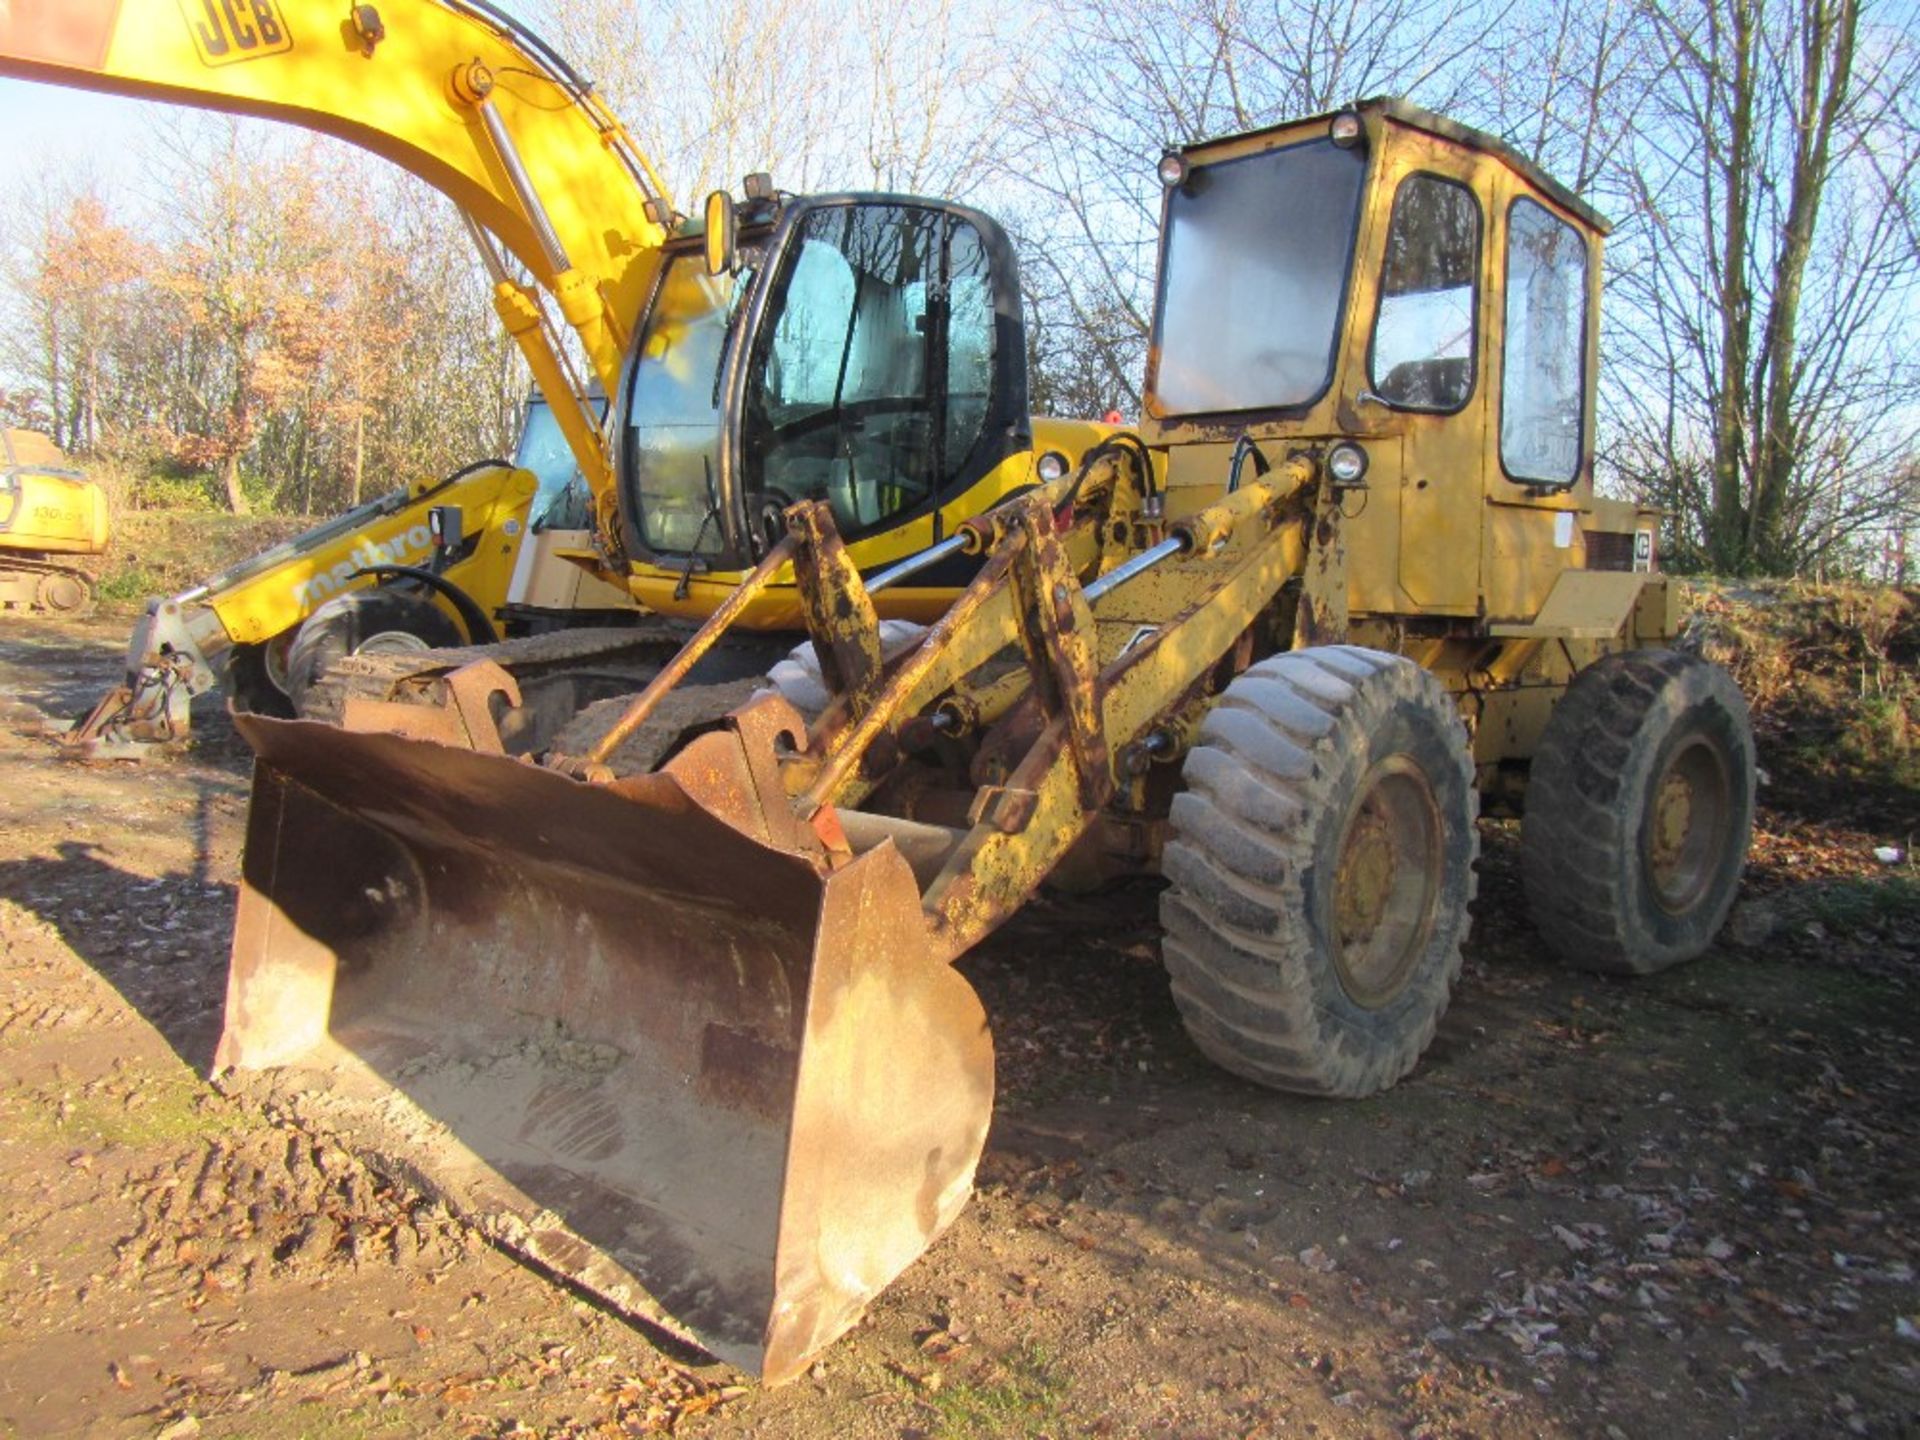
825	94
1777	171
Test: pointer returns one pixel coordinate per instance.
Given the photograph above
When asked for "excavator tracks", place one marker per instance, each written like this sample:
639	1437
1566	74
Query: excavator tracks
44	587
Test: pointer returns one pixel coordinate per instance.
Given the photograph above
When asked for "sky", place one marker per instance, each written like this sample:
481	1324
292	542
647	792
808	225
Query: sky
49	125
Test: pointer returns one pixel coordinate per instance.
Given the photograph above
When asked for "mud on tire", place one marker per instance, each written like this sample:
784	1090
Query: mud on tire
1639	811
1321	862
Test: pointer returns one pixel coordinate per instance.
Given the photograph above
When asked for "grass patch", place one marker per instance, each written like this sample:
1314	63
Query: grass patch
1017	1395
128	586
162	552
1848	907
318	1420
131	1107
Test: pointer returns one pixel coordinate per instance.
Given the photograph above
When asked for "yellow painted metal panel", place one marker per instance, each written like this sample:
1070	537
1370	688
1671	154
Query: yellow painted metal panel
493	504
1583	605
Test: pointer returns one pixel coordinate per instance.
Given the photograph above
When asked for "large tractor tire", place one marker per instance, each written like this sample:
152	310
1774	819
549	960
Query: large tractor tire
1639	811
1321	860
363	622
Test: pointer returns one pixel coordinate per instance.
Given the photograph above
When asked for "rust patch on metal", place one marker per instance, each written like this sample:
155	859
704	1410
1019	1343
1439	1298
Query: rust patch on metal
1321	616
839	612
463	715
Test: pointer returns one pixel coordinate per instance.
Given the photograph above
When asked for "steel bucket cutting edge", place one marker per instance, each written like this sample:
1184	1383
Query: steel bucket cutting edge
641	1041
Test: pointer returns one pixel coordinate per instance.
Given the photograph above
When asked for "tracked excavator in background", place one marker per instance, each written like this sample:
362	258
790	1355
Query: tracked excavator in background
659	987
53	521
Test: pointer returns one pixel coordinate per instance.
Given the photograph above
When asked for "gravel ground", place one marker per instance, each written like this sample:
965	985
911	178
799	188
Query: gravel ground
1681	1206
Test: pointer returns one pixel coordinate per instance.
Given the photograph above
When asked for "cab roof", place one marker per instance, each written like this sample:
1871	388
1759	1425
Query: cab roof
1417	118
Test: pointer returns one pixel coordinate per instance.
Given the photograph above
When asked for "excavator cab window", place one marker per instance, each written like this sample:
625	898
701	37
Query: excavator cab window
561	499
868	354
673	410
872	386
1423	336
1544	380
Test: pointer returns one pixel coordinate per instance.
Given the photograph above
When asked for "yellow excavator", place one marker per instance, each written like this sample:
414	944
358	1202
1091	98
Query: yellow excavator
581	242
465	559
52	520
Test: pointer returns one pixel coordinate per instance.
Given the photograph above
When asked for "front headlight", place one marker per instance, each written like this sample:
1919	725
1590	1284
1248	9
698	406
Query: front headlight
1347	464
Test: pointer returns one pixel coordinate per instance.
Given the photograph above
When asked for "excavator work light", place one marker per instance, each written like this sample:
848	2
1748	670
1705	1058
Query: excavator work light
1173	168
1346	130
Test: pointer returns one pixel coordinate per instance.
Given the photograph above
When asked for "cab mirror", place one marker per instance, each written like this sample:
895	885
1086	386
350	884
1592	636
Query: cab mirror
720	234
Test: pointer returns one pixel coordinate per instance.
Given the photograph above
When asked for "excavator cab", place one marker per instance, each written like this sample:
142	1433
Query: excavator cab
865	352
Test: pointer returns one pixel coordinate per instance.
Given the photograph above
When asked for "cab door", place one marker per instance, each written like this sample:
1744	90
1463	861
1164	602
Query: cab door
1424	362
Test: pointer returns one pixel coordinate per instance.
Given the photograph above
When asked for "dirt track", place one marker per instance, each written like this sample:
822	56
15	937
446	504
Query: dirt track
1680	1207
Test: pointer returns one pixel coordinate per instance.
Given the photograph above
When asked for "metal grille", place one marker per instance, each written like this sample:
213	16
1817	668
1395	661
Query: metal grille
1609	549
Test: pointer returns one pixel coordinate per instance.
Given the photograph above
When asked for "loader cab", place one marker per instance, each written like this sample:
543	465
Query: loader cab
1384	279
867	352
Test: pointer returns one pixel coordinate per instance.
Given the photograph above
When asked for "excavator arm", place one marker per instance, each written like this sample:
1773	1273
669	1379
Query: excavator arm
453	91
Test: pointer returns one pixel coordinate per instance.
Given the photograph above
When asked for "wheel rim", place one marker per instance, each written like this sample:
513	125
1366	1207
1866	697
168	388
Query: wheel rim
1386	889
391	642
1688	825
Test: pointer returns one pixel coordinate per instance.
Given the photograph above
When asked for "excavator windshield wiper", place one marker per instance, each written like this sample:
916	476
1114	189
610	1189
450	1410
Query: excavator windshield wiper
693	553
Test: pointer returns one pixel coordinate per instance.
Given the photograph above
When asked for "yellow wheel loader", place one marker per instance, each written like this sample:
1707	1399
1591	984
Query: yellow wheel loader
52	520
663	990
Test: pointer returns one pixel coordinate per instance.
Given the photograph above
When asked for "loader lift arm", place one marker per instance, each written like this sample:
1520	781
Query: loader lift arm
1073	728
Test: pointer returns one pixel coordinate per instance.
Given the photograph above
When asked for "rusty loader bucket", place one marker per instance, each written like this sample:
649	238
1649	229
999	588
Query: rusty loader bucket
649	1032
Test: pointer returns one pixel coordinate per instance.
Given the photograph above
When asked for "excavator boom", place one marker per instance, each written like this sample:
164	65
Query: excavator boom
454	91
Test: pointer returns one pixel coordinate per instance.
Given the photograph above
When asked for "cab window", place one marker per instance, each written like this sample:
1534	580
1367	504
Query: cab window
1544	381
1423	337
1254	265
872	389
